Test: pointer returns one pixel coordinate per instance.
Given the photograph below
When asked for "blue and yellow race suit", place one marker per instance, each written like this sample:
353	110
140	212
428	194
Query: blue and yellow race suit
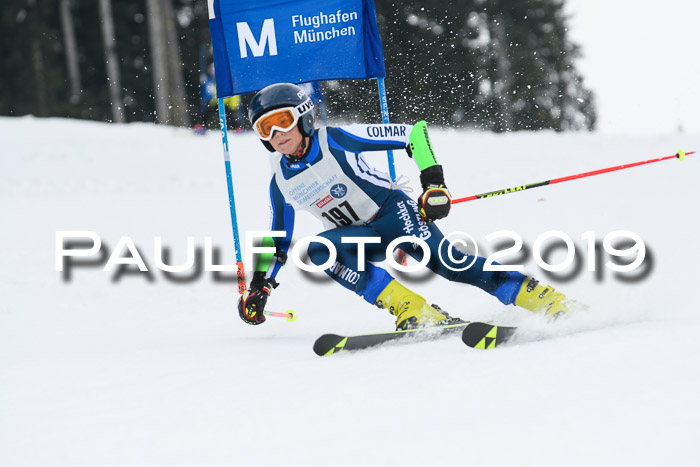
336	185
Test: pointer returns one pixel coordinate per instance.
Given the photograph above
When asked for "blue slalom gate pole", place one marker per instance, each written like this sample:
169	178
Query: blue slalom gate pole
231	199
389	154
385	119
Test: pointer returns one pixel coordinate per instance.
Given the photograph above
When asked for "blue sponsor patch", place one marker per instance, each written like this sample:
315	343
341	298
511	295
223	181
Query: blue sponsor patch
339	190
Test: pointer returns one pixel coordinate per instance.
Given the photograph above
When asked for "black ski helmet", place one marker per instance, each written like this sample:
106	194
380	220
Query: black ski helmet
277	96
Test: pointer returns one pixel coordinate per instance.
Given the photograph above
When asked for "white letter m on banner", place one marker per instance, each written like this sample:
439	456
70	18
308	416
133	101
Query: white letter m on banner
245	36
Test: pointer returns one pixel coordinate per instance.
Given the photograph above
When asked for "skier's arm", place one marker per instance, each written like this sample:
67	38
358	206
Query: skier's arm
252	304
282	220
364	138
383	137
435	202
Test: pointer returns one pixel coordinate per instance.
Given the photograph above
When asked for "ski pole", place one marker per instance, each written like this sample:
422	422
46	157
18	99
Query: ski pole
240	274
384	108
679	155
290	314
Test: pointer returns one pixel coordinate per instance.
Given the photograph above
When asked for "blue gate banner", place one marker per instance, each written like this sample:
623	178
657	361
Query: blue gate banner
258	43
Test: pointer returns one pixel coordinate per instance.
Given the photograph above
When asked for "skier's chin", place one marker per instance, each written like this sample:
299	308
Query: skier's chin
288	151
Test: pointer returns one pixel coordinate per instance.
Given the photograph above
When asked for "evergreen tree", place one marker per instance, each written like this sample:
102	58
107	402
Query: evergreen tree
31	58
111	61
543	89
71	51
499	65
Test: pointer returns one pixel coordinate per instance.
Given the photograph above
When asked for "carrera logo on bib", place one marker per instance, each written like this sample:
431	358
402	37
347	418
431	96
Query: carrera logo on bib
324	201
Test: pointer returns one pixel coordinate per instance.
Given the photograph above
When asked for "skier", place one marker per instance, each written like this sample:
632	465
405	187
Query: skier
323	171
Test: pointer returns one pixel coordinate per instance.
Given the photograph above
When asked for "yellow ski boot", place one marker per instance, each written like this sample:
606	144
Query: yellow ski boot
411	310
539	299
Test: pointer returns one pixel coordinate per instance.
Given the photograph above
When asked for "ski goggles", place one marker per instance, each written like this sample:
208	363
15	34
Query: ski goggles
283	119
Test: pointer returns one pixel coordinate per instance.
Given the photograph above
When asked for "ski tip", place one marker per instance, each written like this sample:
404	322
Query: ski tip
329	344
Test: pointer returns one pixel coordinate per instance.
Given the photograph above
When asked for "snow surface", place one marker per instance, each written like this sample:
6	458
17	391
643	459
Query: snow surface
140	370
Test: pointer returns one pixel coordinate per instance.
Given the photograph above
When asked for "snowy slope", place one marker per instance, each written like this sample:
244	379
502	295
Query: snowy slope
141	370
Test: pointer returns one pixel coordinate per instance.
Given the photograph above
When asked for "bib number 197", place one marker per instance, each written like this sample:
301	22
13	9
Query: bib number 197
340	218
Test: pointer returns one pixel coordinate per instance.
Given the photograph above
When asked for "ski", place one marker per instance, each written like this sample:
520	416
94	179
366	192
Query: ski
329	344
486	336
